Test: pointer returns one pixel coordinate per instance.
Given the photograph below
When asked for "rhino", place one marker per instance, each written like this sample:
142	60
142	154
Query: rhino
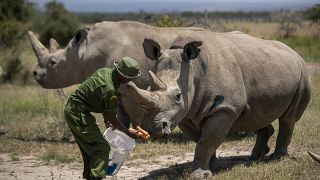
209	83
97	47
94	48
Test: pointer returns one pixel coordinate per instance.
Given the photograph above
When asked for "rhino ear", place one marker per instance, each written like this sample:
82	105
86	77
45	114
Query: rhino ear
191	49
54	46
151	48
80	36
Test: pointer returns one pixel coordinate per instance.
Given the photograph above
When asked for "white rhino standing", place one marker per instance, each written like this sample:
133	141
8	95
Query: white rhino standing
94	48
97	47
210	83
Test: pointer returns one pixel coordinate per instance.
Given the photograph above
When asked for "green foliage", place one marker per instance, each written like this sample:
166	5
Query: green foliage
17	10
13	16
168	21
9	31
313	14
57	157
57	23
14	157
307	47
13	67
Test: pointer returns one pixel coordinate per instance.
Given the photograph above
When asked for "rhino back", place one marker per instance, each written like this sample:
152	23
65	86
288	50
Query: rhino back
109	41
257	78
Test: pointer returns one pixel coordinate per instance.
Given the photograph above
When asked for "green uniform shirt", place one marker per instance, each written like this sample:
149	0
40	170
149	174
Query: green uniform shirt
98	93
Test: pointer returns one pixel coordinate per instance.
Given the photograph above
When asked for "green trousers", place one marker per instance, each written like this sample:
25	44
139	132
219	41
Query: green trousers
94	148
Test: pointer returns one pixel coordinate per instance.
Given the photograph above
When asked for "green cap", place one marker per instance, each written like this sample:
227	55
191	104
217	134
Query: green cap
127	67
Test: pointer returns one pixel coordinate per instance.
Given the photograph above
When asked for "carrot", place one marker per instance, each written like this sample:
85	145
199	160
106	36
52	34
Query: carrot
141	133
145	133
143	136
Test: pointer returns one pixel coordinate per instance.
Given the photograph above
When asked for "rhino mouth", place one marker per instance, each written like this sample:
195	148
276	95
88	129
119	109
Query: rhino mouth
40	80
163	129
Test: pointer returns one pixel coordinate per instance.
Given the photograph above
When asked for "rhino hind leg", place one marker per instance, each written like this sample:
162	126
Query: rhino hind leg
261	147
283	140
291	116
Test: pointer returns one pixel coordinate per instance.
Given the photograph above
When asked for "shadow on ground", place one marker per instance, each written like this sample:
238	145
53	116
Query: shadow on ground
179	137
180	171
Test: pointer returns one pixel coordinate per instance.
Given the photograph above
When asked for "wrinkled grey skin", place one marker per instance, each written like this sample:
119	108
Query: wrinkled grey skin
97	47
210	83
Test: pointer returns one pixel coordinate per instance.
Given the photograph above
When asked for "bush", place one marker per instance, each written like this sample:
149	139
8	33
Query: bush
13	67
168	21
57	23
13	17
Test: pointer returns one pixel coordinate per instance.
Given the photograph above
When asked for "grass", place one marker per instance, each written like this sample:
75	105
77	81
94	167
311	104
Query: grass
307	47
14	157
305	40
56	156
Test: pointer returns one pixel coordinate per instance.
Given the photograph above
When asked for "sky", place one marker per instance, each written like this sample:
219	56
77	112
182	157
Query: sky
180	5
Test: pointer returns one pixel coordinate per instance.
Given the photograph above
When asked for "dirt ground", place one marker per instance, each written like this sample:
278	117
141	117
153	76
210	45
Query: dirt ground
29	167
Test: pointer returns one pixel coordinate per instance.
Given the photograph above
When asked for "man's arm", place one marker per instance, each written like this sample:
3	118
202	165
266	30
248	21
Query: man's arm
112	119
122	115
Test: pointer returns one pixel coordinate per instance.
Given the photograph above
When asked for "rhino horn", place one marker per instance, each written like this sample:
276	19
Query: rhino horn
37	46
54	46
143	97
156	83
314	156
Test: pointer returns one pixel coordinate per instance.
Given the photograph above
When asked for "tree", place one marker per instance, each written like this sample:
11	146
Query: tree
289	20
57	23
313	14
13	17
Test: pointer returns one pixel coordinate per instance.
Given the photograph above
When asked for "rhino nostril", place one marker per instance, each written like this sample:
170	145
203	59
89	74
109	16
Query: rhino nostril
164	125
35	73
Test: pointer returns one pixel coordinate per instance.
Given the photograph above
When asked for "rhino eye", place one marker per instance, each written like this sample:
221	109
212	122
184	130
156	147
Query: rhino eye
52	62
178	98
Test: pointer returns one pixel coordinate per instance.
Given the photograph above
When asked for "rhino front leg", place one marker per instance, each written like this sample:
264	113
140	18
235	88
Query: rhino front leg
187	127
261	147
214	131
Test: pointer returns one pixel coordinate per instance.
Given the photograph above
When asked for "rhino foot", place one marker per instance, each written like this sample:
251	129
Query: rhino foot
258	153
278	155
201	174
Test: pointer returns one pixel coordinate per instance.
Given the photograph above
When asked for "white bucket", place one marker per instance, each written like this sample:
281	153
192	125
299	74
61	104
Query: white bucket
121	145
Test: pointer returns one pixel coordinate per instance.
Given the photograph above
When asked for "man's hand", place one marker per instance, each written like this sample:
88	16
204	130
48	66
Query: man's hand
141	133
107	124
133	133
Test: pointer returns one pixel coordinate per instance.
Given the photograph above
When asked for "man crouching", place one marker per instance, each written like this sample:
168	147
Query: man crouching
98	94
